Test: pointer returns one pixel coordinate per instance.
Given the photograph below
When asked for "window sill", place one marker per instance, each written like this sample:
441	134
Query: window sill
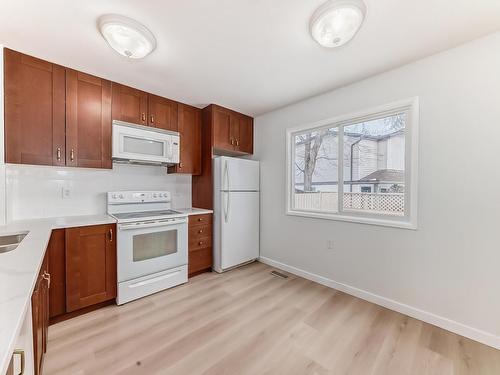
402	224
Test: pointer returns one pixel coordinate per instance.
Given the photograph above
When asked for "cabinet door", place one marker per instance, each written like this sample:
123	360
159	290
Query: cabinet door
162	113
34	110
40	315
88	121
190	133
222	120
244	141
90	266
129	104
36	316
57	270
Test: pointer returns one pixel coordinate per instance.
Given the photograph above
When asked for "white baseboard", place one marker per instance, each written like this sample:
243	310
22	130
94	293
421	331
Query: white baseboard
428	317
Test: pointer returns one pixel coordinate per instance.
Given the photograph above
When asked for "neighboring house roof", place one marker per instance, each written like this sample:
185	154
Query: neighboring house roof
392	176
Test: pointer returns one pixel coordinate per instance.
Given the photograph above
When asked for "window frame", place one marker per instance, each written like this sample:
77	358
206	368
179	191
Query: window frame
409	220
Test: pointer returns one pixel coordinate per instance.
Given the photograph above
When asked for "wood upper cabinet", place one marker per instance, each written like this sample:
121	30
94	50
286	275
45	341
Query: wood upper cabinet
88	121
244	140
34	110
223	128
232	131
90	265
130	105
190	140
40	315
162	113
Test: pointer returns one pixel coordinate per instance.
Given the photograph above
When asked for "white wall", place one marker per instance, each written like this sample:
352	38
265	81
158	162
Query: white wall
36	191
448	270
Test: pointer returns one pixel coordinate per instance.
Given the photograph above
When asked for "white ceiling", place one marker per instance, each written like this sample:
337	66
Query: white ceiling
250	55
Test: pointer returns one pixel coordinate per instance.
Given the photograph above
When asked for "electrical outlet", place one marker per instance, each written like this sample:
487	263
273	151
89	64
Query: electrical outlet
329	244
66	193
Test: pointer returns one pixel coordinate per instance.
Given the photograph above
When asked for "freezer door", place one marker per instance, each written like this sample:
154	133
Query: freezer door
239	218
236	174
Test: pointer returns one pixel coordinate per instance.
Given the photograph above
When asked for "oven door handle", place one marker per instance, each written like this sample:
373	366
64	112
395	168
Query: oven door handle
150	225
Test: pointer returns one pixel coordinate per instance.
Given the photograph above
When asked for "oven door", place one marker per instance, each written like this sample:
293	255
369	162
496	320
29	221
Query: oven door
151	246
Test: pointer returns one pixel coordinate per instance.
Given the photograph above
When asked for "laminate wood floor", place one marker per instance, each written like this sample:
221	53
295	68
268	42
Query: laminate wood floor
249	322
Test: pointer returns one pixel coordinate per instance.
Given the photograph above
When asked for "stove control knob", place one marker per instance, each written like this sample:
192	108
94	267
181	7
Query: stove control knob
114	196
155	195
121	196
165	195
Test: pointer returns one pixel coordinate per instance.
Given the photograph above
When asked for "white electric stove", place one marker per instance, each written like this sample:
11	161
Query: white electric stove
152	243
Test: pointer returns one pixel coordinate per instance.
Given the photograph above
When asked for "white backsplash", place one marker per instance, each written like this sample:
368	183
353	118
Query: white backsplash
37	191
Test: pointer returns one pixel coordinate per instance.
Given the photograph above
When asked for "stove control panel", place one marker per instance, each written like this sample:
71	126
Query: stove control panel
122	197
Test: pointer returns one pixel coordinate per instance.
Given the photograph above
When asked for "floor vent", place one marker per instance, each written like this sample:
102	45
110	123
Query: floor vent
279	274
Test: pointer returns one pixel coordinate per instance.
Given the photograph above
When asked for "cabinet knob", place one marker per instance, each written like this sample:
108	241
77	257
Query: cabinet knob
200	243
200	231
200	219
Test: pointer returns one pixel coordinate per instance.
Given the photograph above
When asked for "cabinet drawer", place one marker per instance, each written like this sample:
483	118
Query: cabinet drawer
199	231
199	243
200	260
200	219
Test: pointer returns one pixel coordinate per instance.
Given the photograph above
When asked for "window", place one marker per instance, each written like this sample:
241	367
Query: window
358	168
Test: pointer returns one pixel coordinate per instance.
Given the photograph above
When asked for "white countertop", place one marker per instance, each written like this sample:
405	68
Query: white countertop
193	211
19	270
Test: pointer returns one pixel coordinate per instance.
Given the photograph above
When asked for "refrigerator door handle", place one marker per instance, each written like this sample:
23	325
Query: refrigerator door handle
227	206
225	183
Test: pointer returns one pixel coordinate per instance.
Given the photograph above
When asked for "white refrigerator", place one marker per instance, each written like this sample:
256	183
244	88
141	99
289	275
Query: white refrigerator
236	212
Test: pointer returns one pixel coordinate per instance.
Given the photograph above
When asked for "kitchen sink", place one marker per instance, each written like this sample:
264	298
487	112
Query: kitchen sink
10	242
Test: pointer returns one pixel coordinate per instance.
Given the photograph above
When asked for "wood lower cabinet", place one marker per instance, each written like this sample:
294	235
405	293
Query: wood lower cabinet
200	244
40	315
56	251
34	110
129	104
190	141
90	266
88	121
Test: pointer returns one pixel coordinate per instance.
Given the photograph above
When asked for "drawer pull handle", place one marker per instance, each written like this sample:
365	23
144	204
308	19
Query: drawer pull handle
72	155
59	154
46	276
110	235
143	117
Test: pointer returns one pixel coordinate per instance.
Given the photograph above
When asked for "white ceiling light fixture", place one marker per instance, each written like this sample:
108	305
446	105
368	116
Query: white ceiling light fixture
337	21
126	36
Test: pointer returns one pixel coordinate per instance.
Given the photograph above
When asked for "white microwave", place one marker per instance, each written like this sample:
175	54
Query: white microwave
139	144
